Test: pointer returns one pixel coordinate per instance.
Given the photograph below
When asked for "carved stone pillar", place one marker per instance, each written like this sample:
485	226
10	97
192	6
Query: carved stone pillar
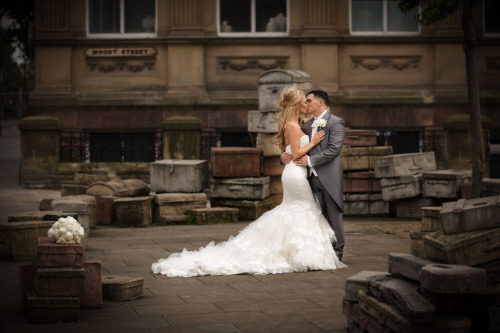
184	18
319	17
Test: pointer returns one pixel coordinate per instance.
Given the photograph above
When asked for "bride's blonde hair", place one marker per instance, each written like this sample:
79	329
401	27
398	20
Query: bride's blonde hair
288	104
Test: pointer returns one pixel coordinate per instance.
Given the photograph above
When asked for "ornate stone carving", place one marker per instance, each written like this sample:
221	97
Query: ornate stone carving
385	62
239	64
493	63
120	66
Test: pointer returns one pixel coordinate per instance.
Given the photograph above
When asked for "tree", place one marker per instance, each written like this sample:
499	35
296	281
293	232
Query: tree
437	10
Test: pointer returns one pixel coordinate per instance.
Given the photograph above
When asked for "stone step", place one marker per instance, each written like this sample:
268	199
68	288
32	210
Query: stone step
407	265
453	279
213	215
121	288
404	294
359	281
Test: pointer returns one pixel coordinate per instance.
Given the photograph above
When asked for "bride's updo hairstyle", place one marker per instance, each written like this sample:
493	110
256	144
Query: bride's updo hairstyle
288	104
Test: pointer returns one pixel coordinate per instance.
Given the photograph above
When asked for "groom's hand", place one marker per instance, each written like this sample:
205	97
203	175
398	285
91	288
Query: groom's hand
302	161
286	157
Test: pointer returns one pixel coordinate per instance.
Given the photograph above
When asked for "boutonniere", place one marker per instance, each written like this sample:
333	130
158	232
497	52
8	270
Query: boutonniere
321	123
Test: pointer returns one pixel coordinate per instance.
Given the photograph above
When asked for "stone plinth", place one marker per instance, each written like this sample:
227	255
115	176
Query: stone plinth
133	212
121	288
179	176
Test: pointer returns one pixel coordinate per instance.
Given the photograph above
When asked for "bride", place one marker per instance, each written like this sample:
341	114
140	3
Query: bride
292	237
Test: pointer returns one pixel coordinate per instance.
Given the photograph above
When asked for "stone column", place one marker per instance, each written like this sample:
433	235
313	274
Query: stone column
182	138
40	149
459	142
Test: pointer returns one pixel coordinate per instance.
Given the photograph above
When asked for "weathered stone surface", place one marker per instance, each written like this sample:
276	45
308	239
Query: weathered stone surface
404	294
78	207
72	189
133	212
235	162
401	187
469	215
50	254
412	207
179	176
360	137
182	137
430	218
60	281
453	279
53	309
213	215
276	199
105	210
360	182
121	288
119	188
172	219
265	142
248	210
262	122
93	285
404	164
176	203
18	241
362	158
417	244
444	183
490	186
393	319
86	179
467	248
271	166
407	265
36	216
357	282
492	269
276	185
359	320
91	202
365	204
256	188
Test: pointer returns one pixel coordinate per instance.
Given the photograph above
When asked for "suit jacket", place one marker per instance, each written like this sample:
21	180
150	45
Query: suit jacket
326	156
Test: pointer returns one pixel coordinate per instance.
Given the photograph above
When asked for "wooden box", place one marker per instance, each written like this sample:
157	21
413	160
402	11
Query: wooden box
236	162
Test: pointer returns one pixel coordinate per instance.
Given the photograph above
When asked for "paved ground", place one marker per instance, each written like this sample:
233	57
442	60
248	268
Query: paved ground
298	302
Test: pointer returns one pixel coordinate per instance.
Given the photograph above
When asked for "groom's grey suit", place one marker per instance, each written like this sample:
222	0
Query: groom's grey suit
328	186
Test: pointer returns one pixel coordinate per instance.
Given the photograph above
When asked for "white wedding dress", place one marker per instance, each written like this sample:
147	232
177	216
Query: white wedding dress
292	237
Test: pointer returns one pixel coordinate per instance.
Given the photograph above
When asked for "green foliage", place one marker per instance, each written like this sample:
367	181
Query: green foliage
432	10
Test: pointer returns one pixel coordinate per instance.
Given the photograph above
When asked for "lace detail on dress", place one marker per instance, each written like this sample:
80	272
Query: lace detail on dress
292	237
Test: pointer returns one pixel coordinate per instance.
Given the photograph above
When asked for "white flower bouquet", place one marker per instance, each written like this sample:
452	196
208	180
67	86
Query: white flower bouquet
66	231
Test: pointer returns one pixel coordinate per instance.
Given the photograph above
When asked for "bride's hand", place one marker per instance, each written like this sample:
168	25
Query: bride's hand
318	137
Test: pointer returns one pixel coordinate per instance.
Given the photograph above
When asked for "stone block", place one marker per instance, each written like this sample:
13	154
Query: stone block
72	189
53	309
276	186
235	162
365	204
453	279
105	210
492	269
470	248
86	179
404	164
174	204
172	219
412	207
444	183
256	188
417	244
78	207
407	265
362	158
91	202
360	137
93	285
262	122
265	142
60	281
401	187
357	282
182	137
36	216
360	182
248	210
276	199
133	212
466	191
392	319
119	188
470	215
26	282
50	254
403	294
18	241
121	288
272	166
213	215
179	176
490	186
360	321
430	218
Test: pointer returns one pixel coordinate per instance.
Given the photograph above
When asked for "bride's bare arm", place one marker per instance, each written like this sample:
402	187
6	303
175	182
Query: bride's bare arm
293	132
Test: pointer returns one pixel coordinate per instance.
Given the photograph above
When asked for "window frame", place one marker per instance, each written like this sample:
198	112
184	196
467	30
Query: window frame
122	33
384	32
254	33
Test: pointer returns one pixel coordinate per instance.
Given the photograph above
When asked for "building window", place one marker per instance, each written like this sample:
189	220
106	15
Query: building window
381	17
121	18
252	17
491	22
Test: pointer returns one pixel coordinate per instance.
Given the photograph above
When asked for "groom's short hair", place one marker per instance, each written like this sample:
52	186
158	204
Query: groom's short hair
321	95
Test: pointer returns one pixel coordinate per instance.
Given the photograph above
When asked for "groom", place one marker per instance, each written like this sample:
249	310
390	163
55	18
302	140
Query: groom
324	162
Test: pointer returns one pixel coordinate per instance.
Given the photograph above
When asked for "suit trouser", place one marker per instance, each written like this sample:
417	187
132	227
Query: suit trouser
332	213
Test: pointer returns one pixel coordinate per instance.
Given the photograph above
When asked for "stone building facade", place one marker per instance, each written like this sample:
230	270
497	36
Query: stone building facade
104	66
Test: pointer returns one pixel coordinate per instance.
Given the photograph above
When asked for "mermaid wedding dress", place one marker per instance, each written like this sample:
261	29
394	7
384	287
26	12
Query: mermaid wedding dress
292	237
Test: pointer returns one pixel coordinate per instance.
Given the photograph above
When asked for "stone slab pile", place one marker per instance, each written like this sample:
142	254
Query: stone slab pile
82	180
449	283
362	191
